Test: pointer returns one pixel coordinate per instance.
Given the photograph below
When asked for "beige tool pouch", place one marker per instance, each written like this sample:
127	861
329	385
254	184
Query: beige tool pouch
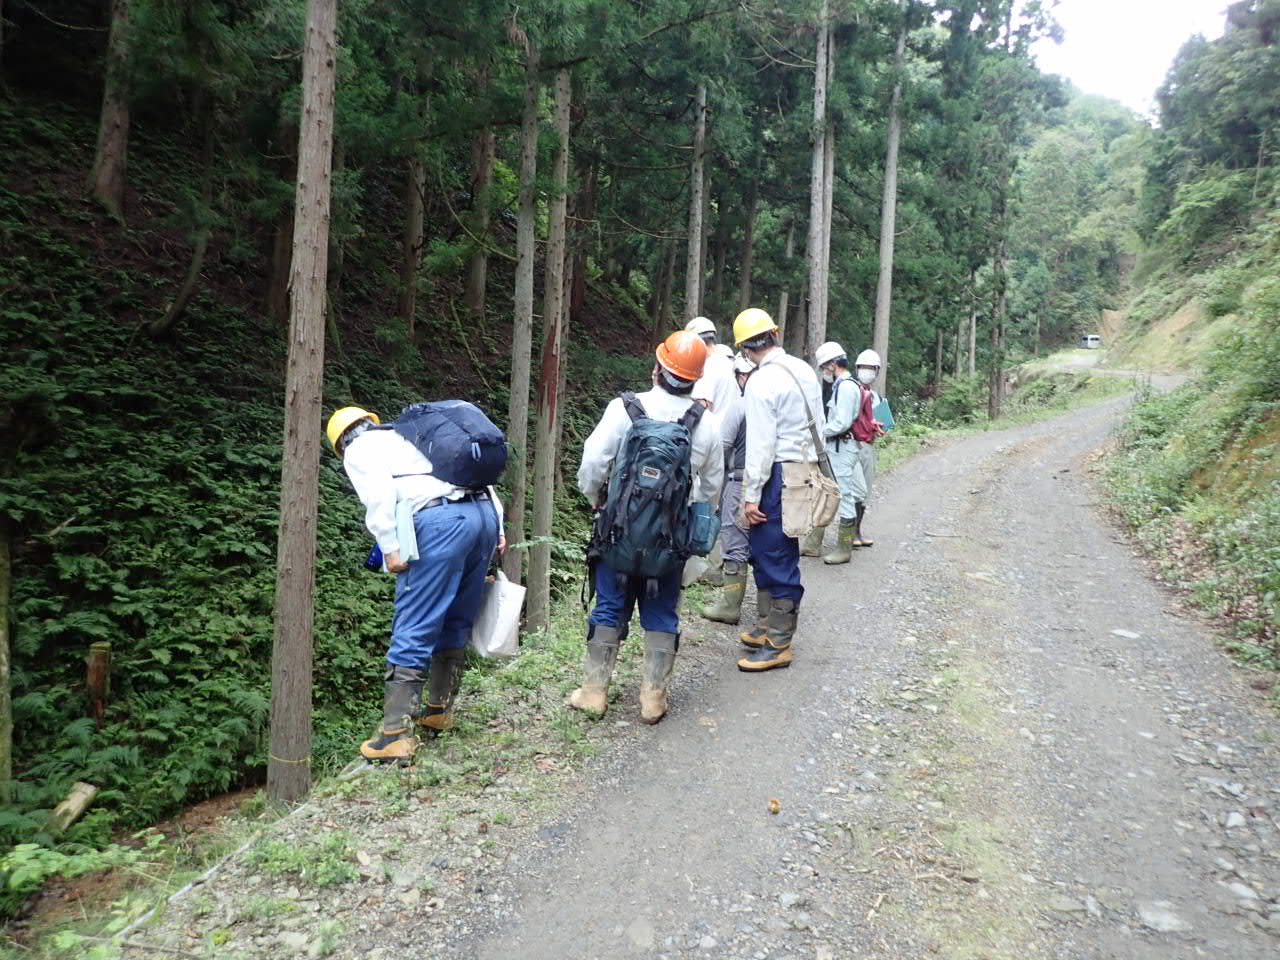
809	499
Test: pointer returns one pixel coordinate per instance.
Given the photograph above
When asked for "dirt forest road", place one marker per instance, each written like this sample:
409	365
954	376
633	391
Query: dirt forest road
997	741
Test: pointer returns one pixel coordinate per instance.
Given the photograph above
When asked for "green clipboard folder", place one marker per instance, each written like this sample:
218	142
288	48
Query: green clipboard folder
882	413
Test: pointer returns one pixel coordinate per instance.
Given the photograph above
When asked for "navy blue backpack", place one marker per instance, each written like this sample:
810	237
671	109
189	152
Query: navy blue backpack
463	445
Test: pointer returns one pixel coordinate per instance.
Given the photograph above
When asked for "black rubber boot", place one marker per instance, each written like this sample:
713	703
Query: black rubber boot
602	653
776	650
858	540
659	659
442	690
755	636
395	741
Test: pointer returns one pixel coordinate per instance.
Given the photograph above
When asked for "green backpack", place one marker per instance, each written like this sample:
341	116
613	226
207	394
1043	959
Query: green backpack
643	529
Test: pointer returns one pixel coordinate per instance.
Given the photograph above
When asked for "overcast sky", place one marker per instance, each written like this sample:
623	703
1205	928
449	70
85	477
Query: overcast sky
1123	48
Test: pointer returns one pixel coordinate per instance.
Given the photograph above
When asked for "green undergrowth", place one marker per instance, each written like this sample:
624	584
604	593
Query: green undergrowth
1197	477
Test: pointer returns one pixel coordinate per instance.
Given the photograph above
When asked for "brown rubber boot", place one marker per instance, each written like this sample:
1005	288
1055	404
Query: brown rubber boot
659	659
811	546
395	742
858	539
776	650
843	552
443	684
755	636
602	653
729	609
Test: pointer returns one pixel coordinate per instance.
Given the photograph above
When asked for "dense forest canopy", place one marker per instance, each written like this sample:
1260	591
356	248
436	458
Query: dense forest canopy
893	171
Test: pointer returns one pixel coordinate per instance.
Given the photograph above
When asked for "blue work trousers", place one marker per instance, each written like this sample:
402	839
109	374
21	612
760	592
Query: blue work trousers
439	596
775	557
618	594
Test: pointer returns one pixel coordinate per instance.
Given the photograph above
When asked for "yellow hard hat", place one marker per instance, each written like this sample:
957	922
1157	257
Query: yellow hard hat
342	419
751	323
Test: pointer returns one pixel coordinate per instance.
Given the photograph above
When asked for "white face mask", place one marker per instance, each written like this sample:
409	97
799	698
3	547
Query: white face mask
866	374
827	375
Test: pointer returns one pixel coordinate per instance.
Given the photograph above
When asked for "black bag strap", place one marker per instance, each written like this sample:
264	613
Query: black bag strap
692	417
633	406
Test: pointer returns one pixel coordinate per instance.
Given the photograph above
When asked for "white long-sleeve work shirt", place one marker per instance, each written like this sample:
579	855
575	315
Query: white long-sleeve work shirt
706	459
777	423
718	385
385	468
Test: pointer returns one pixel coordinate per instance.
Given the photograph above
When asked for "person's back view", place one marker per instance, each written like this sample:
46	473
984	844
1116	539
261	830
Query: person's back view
633	466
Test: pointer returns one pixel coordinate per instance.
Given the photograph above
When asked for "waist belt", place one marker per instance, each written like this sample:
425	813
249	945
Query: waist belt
474	496
736	475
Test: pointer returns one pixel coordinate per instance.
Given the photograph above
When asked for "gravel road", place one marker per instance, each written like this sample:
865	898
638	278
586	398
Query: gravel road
998	740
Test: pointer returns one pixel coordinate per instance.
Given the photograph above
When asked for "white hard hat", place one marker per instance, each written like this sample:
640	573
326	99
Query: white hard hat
700	325
827	352
741	364
868	358
723	348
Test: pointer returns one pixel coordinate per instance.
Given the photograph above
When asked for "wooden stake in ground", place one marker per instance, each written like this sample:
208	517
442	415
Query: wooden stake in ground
544	465
288	769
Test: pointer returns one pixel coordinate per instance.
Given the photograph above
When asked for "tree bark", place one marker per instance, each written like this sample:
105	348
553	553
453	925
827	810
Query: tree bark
584	215
815	334
995	389
483	157
828	195
888	217
973	322
544	466
415	187
939	347
693	263
277	299
107	178
522	330
288	770
720	262
788	253
959	349
748	247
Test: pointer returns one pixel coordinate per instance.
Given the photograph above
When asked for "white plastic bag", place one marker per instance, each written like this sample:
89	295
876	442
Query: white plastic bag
496	632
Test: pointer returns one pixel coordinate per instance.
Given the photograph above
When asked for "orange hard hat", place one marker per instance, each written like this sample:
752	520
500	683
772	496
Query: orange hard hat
683	354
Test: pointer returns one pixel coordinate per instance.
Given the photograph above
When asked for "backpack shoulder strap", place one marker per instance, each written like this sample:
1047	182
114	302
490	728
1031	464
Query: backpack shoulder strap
633	406
692	417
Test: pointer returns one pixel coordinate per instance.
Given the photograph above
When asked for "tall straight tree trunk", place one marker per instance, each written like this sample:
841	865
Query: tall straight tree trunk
693	264
483	155
748	248
107	178
995	390
288	769
789	251
544	465
703	259
276	304
522	329
828	195
715	303
584	216
888	216
938	350
415	188
959	351
973	322
814	335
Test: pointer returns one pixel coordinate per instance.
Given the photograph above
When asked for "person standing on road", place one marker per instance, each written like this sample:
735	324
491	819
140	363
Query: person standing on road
733	531
439	577
780	398
865	429
842	409
613	484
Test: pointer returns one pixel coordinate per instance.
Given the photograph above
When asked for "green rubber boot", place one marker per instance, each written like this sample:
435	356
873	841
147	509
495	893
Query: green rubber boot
395	741
843	552
443	683
811	546
602	654
729	609
775	652
755	636
659	659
